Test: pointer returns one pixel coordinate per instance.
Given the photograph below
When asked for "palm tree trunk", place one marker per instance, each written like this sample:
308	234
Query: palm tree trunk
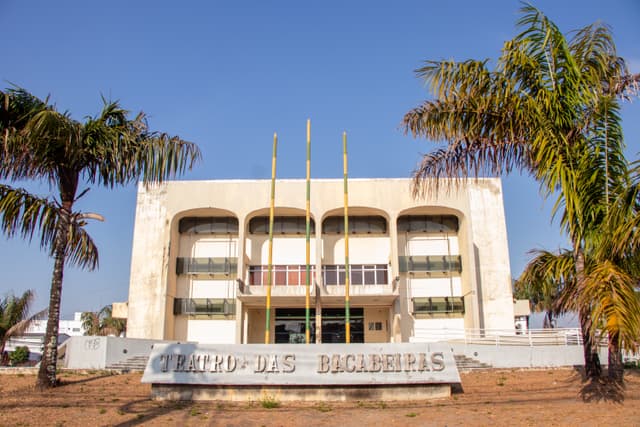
548	319
616	368
48	364
68	184
592	366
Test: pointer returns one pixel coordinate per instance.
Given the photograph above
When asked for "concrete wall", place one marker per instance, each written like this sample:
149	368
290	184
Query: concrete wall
492	255
549	356
148	288
91	352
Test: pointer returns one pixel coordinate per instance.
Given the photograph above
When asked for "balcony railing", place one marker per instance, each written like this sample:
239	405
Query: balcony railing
430	263
283	275
436	305
204	306
359	274
220	265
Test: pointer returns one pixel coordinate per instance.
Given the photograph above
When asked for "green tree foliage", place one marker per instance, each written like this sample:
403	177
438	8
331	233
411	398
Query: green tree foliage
543	280
14	316
19	355
550	107
102	322
42	144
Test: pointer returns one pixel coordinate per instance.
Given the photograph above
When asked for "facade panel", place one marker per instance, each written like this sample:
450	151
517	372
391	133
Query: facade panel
201	249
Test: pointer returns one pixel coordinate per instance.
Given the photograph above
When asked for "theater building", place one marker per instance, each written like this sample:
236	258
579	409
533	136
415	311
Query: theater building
417	266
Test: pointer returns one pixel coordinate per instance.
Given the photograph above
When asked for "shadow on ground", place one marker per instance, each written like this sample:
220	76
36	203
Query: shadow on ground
145	410
600	389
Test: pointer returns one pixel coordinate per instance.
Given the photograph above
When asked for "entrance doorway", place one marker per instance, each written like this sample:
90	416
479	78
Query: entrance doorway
333	325
290	325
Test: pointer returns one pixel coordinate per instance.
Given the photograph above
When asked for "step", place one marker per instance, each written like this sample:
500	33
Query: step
465	363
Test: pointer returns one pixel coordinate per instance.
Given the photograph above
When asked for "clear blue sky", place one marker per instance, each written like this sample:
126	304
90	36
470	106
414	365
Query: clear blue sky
226	75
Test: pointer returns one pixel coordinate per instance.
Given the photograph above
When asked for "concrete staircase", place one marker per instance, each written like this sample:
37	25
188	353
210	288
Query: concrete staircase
134	363
465	363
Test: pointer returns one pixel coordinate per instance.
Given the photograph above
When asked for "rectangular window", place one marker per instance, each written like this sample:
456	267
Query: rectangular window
428	224
356	275
283	275
281	225
435	305
357	225
208	225
359	274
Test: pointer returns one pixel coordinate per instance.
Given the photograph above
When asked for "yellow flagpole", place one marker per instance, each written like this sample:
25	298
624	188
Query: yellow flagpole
347	309
308	238
267	328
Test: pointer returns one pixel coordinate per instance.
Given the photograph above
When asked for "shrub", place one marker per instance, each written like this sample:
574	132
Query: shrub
19	355
269	402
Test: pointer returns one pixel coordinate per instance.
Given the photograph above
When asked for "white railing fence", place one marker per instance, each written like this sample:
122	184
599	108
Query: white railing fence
501	337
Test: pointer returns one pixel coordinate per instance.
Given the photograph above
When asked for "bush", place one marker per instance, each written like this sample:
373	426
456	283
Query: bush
269	402
19	355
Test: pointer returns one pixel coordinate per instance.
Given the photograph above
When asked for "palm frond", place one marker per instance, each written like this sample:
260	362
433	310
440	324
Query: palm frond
21	327
17	108
615	307
124	150
546	277
23	213
81	249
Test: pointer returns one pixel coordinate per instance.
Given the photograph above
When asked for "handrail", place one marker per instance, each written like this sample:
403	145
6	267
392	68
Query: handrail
206	265
430	263
501	337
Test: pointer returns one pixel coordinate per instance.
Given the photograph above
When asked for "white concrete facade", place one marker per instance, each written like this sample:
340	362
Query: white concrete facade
440	262
73	328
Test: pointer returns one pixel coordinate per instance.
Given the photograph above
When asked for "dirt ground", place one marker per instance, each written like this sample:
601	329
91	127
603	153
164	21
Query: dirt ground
496	397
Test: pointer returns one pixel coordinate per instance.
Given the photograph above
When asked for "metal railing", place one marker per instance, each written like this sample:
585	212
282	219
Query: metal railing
501	337
430	263
206	306
435	305
217	265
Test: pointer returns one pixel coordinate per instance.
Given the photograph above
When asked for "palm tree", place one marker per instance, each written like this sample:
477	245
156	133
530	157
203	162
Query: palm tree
14	319
110	149
549	108
543	279
612	283
608	289
102	322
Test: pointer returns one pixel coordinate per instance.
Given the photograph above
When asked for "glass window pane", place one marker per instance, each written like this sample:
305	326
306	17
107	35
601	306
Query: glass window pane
450	224
331	276
280	275
356	274
369	275
293	278
378	225
381	275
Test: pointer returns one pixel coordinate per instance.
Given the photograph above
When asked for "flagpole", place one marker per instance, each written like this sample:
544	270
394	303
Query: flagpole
308	238
267	328
347	314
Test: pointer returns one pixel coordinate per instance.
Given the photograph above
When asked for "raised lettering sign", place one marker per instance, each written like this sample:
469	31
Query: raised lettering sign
297	364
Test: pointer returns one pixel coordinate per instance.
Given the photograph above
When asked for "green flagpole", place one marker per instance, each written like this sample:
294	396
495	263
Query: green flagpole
307	313
267	327
347	314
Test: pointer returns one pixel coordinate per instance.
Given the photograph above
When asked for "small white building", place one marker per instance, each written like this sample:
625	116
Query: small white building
34	335
201	248
71	328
